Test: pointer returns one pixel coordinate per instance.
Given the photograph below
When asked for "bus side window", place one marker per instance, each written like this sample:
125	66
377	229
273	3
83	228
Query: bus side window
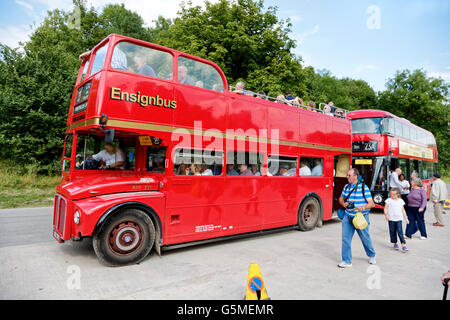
156	159
244	163
198	162
282	166
314	164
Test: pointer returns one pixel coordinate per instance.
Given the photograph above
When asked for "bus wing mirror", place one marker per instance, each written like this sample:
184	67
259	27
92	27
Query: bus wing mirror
109	135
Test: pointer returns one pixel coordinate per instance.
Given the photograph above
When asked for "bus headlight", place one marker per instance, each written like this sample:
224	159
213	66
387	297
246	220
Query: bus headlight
76	217
378	198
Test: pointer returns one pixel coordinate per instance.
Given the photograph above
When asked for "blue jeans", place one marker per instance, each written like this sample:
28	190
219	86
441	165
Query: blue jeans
395	228
348	230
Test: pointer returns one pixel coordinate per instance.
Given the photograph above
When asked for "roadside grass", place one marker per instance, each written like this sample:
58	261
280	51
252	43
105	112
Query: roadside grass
446	179
23	187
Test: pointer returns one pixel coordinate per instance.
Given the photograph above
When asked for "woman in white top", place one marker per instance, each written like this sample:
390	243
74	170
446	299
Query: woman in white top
405	188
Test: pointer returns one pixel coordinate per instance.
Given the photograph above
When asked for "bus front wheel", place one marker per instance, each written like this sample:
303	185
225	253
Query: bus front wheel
309	214
125	238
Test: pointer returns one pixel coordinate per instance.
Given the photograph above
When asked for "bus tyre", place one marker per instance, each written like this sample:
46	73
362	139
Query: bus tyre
125	238
309	214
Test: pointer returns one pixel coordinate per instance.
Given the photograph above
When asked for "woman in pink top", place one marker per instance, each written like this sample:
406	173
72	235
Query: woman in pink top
417	203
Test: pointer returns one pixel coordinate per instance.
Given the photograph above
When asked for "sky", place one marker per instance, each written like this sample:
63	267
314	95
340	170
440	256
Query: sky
360	39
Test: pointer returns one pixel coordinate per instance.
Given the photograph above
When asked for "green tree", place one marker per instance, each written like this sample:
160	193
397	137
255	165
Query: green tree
425	102
36	83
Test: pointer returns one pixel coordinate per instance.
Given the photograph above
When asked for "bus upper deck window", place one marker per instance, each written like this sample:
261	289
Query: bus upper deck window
85	68
99	59
142	60
199	74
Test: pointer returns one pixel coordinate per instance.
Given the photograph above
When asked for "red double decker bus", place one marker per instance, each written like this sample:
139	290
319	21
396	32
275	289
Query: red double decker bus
159	153
383	142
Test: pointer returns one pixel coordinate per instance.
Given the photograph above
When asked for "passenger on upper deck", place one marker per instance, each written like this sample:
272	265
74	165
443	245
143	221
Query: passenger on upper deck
288	96
333	108
339	113
183	76
327	110
297	102
112	157
142	67
239	88
280	99
311	106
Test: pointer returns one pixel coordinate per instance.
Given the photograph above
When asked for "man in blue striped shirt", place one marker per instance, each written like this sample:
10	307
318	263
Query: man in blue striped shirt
362	201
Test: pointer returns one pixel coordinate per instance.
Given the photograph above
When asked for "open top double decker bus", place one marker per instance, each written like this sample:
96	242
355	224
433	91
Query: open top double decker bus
159	153
383	142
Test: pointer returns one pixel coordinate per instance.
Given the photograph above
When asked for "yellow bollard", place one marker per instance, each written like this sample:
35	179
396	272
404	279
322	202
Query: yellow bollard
256	288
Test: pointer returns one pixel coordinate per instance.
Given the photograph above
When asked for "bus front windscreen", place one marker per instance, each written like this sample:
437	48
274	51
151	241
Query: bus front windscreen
366	125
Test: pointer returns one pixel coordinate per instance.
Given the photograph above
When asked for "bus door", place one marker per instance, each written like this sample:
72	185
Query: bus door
341	167
193	210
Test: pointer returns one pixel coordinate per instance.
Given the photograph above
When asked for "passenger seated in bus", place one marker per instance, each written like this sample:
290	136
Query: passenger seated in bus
195	170
244	170
284	168
339	113
304	169
311	106
280	99
239	88
217	87
182	170
318	168
183	76
255	170
142	67
231	171
288	96
333	108
297	102
112	157
205	171
327	110
199	83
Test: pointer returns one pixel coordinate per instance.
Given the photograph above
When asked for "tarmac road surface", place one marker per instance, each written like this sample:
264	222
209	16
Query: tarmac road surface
294	265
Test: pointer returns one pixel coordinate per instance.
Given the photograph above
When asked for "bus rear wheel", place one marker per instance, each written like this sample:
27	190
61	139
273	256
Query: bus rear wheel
125	238
309	214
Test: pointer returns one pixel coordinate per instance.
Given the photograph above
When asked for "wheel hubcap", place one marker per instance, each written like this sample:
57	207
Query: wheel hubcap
125	237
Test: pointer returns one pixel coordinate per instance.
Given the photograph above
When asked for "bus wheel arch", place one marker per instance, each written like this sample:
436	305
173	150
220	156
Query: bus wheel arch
310	212
140	209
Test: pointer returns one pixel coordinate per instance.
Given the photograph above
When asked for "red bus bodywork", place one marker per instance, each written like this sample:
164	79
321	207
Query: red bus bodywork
399	143
191	208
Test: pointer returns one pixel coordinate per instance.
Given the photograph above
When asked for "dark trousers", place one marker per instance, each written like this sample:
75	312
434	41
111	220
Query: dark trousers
416	222
395	228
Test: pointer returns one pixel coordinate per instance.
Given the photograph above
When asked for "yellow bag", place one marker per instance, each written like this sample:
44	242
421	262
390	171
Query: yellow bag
359	221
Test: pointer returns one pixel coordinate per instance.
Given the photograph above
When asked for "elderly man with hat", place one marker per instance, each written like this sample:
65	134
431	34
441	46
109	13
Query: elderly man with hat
438	196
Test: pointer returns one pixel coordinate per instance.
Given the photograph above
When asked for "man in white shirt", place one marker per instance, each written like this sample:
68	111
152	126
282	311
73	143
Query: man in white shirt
394	182
113	159
304	169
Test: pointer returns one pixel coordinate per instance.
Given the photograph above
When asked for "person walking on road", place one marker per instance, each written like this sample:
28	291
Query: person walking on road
417	204
438	196
394	212
355	197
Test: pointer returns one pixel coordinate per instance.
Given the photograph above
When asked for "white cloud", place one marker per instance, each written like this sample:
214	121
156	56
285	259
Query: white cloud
444	75
28	7
11	35
367	67
303	36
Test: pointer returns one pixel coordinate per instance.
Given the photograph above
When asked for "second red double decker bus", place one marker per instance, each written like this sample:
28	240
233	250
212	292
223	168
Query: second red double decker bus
383	142
158	152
